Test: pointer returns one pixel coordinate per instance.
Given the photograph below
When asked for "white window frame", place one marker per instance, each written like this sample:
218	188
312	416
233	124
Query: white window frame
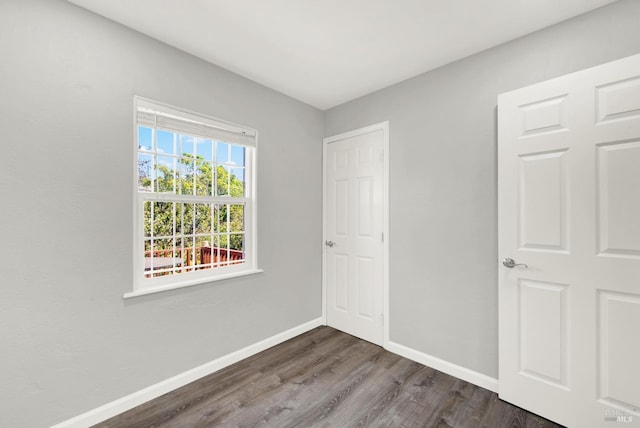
163	116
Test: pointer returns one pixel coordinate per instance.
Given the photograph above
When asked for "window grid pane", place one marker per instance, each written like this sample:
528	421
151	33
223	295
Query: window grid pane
183	237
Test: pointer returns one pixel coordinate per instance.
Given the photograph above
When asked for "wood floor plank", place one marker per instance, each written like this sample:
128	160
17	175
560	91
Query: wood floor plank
327	379
310	382
378	394
314	395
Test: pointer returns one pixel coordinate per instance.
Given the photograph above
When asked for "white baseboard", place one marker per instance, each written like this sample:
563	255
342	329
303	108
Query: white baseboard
447	367
130	401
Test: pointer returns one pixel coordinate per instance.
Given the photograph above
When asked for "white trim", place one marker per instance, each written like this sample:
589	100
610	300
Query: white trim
324	231
479	379
130	401
384	127
386	234
189	283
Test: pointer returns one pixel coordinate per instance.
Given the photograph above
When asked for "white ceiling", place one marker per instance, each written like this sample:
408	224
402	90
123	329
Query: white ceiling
326	52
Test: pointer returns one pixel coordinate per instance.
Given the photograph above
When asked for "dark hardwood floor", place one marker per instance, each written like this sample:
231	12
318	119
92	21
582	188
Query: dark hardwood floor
326	378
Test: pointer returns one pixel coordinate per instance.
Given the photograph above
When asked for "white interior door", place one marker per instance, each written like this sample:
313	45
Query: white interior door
354	209
569	208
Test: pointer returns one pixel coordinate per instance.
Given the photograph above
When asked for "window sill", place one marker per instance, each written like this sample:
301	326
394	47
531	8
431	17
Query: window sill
189	283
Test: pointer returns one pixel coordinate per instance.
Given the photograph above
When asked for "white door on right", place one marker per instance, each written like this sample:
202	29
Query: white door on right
569	209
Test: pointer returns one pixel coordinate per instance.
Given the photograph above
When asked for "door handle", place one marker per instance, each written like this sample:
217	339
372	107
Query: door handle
510	263
329	244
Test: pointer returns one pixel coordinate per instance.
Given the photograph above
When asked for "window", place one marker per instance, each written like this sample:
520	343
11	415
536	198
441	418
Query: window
195	199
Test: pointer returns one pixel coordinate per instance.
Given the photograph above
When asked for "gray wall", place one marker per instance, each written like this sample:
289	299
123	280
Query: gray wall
68	341
443	231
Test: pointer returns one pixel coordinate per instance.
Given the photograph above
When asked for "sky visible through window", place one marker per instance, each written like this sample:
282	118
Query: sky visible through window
228	154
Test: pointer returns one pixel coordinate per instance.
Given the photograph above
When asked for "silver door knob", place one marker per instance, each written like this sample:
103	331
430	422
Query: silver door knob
329	243
510	263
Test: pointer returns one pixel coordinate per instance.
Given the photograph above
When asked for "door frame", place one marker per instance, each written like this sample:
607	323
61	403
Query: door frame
384	127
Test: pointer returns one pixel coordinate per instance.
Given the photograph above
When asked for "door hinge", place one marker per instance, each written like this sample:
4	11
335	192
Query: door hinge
382	236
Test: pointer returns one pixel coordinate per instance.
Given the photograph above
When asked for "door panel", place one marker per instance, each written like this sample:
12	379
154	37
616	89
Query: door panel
544	325
544	117
618	198
569	208
340	282
366	287
543	183
618	100
618	366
